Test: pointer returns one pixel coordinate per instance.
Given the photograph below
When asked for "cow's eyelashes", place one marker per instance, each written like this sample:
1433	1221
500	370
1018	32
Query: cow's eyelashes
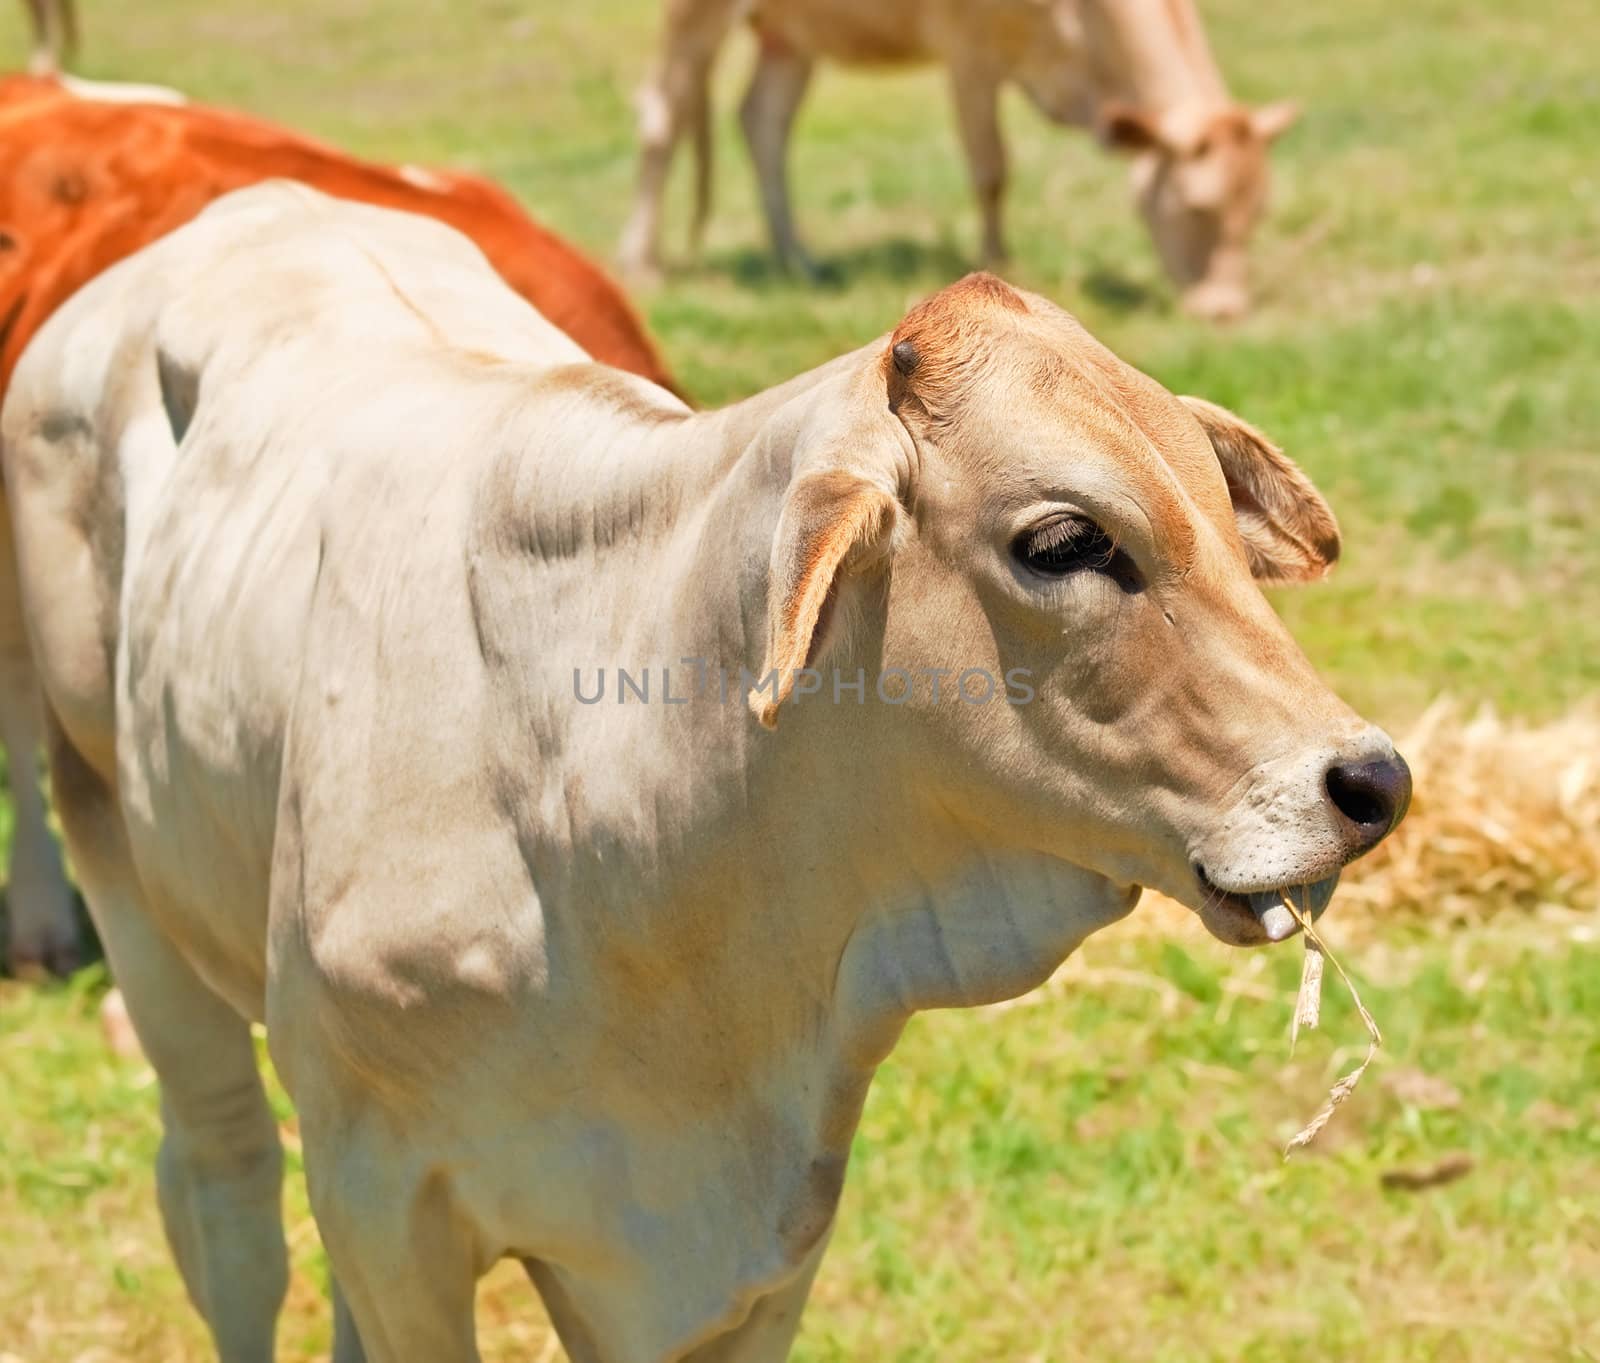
1074	544
1071	545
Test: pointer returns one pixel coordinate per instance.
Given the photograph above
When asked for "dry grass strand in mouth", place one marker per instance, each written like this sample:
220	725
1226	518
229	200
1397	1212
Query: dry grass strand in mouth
1308	1003
1308	1011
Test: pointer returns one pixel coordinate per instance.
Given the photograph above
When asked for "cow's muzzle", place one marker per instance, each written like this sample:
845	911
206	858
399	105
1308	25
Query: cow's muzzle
1279	845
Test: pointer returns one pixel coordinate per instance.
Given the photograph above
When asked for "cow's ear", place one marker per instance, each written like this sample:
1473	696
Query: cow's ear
1175	132
834	523
1125	127
1271	121
1288	530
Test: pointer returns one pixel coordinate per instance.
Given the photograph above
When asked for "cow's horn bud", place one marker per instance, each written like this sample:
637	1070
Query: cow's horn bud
906	358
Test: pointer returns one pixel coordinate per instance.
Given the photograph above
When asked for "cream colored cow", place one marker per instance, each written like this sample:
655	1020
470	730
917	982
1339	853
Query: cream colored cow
325	536
1140	71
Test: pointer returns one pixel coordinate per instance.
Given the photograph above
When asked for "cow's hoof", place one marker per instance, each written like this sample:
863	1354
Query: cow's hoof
803	267
640	272
1216	302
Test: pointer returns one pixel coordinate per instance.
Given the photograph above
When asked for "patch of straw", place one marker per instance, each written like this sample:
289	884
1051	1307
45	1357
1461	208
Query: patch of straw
1506	814
1308	1005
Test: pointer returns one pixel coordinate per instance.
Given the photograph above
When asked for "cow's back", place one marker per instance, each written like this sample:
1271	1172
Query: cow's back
991	34
848	32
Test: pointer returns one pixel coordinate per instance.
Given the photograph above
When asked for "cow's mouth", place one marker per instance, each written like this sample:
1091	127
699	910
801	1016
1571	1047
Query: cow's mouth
1258	914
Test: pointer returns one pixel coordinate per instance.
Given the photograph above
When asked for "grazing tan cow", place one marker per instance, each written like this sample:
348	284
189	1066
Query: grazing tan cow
87	181
401	664
1139	70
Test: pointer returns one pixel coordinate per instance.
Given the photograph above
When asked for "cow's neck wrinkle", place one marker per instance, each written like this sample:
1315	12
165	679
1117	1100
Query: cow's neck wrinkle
992	926
631	470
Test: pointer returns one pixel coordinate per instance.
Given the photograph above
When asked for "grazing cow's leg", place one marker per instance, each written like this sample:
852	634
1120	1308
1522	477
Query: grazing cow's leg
673	99
49	36
977	97
405	1265
40	60
767	115
220	1168
665	105
44	928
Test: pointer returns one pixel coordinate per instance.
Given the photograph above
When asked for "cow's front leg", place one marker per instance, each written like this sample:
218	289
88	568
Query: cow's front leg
403	1261
977	99
220	1169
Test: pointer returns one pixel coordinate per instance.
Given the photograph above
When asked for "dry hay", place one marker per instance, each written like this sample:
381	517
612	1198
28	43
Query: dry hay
1506	814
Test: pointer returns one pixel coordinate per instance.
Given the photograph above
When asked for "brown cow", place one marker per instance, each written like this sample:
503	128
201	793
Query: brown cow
86	182
1140	71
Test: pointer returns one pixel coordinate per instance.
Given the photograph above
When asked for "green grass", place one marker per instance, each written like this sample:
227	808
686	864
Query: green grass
1094	1175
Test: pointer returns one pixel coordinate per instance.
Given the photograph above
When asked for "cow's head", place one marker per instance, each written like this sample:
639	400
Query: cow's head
1200	178
1005	496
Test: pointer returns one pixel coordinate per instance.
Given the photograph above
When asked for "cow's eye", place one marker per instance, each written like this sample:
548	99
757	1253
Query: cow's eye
1075	544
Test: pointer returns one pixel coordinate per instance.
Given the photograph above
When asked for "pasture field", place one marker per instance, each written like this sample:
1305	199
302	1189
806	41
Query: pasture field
1094	1172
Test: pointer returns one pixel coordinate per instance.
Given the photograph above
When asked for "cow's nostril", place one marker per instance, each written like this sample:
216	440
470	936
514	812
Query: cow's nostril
1372	795
1355	797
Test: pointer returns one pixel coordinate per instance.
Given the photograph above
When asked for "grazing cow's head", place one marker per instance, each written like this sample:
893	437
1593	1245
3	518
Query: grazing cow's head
1200	177
1006	496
